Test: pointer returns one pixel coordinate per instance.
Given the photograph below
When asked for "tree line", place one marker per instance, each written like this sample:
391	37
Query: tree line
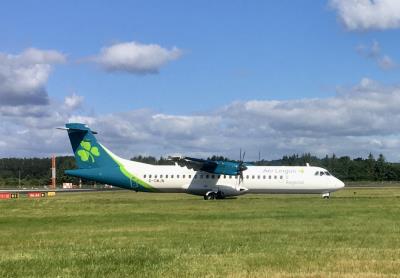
28	172
344	167
33	172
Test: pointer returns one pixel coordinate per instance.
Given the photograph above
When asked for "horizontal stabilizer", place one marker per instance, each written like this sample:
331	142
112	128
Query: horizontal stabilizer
75	128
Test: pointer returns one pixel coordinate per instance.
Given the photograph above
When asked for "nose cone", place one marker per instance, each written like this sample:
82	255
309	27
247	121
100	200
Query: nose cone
339	184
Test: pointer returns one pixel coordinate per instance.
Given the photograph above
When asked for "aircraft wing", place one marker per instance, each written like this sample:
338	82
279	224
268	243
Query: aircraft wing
193	163
214	167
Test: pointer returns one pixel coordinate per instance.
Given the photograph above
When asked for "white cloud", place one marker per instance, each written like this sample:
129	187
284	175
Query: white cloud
23	77
73	101
81	119
374	52
29	130
368	14
37	56
362	111
136	58
355	121
349	123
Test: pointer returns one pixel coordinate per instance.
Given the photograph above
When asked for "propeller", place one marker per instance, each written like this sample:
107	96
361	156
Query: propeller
241	166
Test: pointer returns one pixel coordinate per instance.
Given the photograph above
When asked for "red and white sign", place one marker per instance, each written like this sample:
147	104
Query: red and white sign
36	194
5	195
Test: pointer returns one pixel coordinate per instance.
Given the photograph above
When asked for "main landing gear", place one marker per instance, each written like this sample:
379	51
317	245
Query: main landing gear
211	195
326	195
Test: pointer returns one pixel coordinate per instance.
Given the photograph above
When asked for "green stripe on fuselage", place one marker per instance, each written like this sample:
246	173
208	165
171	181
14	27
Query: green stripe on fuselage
139	185
136	180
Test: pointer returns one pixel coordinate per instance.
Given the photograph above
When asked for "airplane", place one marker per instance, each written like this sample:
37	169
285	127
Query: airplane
207	178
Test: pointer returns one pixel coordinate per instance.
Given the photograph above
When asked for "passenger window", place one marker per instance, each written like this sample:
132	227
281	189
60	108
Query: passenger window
177	176
270	177
183	176
316	173
201	176
230	177
172	176
195	176
207	176
224	176
212	176
149	176
264	177
160	176
219	176
236	177
275	177
253	177
321	173
155	176
258	177
190	176
281	177
144	176
166	176
247	177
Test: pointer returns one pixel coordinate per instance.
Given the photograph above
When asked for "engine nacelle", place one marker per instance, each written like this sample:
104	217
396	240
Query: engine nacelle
222	167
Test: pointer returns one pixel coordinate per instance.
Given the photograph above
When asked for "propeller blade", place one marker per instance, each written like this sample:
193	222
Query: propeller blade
241	167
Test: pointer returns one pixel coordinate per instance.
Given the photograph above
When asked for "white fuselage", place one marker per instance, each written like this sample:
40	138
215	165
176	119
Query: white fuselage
256	179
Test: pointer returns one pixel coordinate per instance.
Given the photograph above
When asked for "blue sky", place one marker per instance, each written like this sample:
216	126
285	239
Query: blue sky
233	50
230	52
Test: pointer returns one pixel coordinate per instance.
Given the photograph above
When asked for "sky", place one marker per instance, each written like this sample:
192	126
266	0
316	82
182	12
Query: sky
202	77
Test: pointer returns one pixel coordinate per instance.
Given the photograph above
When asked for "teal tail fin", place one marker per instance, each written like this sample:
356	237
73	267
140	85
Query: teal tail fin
97	163
88	152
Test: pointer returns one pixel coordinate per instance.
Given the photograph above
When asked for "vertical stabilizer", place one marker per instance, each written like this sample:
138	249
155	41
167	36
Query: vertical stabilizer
88	152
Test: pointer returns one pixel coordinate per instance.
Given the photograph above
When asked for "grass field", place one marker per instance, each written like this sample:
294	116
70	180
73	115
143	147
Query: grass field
113	234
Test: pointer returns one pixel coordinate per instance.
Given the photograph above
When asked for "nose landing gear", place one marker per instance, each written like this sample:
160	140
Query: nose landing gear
326	195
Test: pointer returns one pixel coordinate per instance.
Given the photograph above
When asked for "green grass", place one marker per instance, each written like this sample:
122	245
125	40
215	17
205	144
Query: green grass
372	183
116	234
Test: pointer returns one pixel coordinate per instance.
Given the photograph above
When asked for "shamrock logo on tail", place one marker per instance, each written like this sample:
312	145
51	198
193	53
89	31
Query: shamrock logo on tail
88	151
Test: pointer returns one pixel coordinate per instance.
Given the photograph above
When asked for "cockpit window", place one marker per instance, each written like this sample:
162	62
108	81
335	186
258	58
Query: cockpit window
321	173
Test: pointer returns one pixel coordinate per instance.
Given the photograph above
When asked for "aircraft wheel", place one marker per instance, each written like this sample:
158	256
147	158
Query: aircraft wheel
220	195
326	195
209	196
